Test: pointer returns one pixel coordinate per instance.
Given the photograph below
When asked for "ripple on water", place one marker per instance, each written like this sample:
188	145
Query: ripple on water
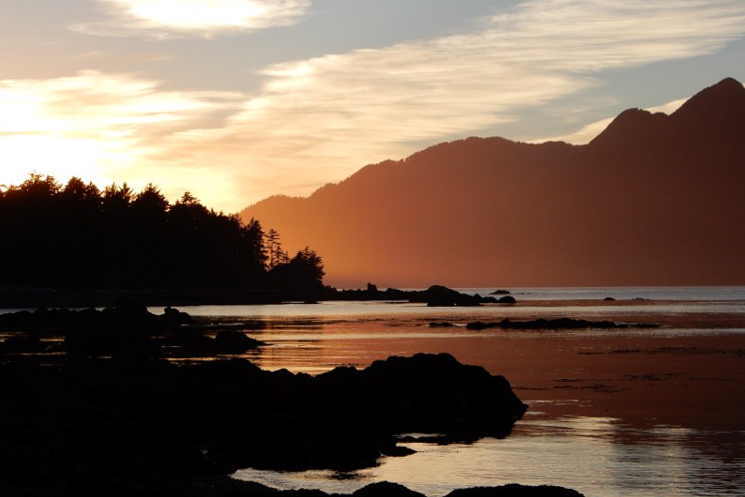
597	456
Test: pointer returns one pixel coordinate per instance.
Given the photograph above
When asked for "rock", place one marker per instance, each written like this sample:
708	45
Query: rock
507	300
550	324
173	317
441	325
22	345
479	325
515	490
440	296
347	418
234	342
385	489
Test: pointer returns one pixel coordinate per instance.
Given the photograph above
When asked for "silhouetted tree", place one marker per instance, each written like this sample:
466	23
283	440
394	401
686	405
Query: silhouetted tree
77	236
274	248
304	272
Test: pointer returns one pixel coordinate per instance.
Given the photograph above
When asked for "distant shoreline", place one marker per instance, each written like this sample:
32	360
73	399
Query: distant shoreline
63	298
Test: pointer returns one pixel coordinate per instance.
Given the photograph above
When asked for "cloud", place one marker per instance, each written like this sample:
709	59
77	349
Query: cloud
325	117
319	120
170	18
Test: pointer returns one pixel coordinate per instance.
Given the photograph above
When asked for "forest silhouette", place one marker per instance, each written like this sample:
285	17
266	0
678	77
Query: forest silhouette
77	237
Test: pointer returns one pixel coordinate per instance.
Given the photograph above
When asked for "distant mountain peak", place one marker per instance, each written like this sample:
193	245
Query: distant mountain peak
727	96
654	199
720	106
629	126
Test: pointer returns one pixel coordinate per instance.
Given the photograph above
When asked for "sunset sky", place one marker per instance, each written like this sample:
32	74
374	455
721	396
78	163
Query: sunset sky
236	100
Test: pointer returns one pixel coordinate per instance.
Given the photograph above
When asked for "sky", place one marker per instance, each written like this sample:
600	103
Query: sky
238	100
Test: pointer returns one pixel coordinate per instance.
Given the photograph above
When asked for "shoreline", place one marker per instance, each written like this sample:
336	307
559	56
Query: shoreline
644	377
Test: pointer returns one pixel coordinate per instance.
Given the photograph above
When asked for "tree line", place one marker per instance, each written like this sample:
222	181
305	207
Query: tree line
75	236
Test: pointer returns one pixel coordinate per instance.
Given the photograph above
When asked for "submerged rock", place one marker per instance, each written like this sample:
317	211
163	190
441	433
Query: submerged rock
552	324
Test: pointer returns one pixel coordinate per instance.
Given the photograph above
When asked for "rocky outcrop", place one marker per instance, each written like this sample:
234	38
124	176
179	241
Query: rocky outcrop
387	489
131	420
434	296
126	330
552	324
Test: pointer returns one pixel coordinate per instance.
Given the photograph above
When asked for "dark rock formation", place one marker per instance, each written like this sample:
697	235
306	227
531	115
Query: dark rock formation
125	314
514	490
22	345
551	324
440	296
126	330
387	489
132	422
435	296
234	342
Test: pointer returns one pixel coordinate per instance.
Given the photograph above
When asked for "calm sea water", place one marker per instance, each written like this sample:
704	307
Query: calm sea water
599	456
666	299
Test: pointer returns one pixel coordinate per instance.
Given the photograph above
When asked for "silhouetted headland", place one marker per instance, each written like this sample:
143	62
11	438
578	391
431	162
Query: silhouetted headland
653	200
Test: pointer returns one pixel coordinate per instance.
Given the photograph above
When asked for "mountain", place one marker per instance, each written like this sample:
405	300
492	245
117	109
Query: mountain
652	200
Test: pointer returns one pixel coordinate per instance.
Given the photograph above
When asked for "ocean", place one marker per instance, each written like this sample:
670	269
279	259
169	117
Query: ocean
636	411
633	412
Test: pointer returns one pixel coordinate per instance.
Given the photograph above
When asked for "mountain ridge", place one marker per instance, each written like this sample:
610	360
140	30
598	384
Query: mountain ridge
653	199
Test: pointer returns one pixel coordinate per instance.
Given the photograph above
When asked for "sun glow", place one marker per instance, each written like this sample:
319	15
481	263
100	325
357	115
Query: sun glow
196	13
99	127
53	155
166	18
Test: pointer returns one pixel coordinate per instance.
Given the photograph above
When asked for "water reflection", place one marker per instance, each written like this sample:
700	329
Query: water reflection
684	374
372	310
597	456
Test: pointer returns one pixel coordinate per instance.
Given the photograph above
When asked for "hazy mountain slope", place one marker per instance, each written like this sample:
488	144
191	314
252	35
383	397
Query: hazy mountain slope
653	200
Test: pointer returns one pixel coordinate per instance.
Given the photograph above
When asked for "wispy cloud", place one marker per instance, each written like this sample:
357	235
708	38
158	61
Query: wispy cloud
169	18
332	114
319	120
